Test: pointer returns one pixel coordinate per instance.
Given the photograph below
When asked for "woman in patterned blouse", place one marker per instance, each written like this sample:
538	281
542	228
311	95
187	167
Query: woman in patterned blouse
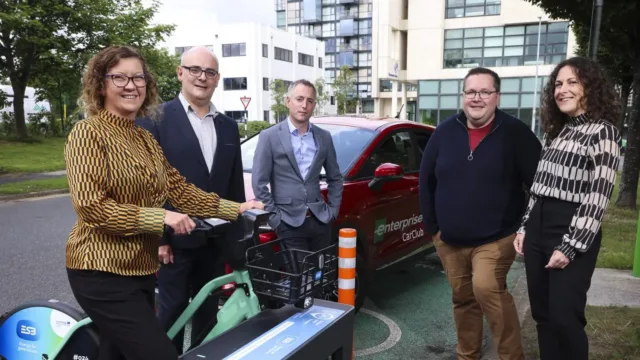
569	197
119	181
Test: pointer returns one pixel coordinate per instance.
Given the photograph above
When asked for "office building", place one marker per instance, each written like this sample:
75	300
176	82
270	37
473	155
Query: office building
252	55
345	26
424	48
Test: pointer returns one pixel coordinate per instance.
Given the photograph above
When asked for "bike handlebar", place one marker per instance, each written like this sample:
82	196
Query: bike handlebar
253	222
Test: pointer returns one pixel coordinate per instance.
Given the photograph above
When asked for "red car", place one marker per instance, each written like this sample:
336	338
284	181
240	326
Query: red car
380	162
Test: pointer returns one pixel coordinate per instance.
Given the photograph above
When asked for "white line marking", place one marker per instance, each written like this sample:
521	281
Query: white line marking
394	334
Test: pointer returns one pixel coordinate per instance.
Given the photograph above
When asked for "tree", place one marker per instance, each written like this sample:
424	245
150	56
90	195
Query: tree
344	88
619	53
279	97
40	37
322	96
163	66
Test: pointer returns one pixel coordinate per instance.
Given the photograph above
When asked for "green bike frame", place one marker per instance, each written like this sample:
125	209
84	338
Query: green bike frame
238	308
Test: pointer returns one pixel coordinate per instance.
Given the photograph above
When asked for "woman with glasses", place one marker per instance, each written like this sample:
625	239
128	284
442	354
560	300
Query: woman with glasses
569	197
118	181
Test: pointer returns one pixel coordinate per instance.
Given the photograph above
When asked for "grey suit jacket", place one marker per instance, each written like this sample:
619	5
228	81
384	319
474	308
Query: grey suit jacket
274	164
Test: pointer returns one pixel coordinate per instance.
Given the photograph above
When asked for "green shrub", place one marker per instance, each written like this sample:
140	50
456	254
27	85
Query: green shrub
253	127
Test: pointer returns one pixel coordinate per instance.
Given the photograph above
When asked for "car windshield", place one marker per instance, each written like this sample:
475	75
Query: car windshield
349	143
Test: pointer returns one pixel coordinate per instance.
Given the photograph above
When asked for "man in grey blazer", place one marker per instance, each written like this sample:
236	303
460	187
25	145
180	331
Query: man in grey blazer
289	158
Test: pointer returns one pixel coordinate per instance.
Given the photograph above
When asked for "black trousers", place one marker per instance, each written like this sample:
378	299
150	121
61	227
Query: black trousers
312	235
122	309
181	280
558	296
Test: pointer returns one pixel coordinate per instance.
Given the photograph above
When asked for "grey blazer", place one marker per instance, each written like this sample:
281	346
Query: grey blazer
274	165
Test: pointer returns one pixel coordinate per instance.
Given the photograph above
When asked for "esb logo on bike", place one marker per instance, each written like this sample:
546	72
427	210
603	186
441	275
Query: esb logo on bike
27	330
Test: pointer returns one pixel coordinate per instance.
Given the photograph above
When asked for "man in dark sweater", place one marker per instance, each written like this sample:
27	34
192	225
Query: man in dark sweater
474	177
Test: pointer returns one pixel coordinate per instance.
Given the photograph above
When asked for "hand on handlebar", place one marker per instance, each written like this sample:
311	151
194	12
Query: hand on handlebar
251	204
180	223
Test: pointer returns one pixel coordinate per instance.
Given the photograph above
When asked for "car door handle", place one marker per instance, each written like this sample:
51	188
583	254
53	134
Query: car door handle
415	189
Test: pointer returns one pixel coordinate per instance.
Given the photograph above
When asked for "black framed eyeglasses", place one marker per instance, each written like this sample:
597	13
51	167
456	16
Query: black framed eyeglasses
484	94
121	80
197	71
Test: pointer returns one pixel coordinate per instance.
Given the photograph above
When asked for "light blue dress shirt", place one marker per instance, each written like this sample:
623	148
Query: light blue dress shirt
304	147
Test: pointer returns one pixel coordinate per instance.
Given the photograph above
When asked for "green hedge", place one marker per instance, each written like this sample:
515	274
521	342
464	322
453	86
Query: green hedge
253	127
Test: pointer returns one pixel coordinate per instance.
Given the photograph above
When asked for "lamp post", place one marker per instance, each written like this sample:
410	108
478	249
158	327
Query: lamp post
535	89
596	30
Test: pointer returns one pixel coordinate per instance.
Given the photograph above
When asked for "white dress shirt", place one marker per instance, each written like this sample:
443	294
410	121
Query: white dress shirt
204	128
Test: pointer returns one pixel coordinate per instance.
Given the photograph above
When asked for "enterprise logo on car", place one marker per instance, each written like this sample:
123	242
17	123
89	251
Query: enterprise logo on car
27	330
382	227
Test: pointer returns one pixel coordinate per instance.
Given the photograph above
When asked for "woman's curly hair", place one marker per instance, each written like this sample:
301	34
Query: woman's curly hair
93	82
600	98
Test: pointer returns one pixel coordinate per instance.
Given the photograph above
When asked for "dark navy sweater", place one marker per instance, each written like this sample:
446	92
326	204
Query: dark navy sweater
474	198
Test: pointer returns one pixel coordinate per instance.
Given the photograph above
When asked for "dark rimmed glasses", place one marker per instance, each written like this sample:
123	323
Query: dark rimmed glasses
484	94
197	71
121	80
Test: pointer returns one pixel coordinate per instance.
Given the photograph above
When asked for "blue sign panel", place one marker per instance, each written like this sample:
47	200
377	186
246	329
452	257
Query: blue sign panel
288	335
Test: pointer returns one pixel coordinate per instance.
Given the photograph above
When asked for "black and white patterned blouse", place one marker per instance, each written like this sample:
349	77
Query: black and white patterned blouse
578	166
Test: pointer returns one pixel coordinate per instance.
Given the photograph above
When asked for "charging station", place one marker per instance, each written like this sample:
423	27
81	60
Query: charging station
323	331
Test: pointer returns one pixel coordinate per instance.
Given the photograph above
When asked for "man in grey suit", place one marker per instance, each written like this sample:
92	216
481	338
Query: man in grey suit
289	158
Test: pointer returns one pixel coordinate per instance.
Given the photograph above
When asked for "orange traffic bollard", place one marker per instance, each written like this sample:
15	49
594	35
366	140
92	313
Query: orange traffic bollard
347	269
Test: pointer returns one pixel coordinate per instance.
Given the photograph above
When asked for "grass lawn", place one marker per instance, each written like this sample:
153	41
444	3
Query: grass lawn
44	155
618	235
614	334
28	186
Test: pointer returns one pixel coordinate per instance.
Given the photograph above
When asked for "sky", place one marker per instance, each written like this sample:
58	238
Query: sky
196	20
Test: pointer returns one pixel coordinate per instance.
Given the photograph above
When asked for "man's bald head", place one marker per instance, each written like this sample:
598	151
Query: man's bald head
198	73
198	52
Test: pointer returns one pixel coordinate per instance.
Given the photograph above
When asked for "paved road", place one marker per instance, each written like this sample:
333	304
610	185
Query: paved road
32	245
407	315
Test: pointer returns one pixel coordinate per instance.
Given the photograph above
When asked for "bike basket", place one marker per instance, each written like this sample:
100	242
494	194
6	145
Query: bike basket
289	275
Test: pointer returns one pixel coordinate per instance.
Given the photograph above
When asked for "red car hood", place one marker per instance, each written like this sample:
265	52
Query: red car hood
248	190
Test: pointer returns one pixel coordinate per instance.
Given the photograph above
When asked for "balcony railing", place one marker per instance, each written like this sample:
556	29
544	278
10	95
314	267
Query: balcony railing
347	47
349	14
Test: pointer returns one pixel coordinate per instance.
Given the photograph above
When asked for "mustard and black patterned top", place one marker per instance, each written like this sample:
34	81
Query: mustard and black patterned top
119	180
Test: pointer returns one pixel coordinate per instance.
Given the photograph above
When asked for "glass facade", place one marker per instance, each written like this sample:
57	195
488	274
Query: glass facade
468	8
440	99
345	28
505	45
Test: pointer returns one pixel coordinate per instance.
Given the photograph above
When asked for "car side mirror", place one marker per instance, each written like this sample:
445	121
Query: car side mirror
385	173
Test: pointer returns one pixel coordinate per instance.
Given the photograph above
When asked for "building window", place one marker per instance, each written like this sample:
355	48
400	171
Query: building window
364	27
505	46
238	115
282	20
265	84
283	54
266	115
235	83
320	62
440	99
265	50
304	59
234	50
468	8
367	106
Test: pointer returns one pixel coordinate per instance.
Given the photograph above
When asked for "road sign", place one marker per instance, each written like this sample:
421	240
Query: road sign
245	101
